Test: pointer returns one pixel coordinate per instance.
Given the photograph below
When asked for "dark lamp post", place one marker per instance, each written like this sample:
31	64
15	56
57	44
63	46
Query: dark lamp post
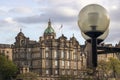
99	39
93	21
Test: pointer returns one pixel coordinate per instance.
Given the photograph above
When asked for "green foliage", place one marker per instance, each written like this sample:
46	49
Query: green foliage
103	66
7	68
110	68
27	76
115	66
66	77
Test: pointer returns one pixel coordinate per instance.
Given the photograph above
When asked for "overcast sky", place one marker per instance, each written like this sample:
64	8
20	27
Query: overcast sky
33	15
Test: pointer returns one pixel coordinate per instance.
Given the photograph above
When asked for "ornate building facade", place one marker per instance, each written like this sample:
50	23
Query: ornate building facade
6	50
49	57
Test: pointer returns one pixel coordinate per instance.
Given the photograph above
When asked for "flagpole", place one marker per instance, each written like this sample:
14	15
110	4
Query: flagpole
60	29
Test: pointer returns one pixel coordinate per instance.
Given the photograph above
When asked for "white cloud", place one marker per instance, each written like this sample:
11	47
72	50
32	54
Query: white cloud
5	8
67	11
10	25
86	2
114	7
8	29
9	20
2	12
21	10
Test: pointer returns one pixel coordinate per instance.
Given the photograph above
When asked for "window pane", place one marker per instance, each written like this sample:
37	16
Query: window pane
56	71
56	63
67	55
55	54
62	54
47	72
62	63
46	54
68	63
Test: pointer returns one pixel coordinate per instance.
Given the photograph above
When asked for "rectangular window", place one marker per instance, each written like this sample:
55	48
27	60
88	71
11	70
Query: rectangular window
47	72
68	72
75	57
46	48
56	63
47	63
68	55
68	63
55	54
63	63
29	49
46	54
56	71
75	72
72	55
39	62
62	54
75	65
63	72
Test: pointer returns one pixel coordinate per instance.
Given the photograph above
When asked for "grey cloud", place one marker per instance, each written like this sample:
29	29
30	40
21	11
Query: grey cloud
56	10
2	12
21	10
6	26
115	15
114	36
54	15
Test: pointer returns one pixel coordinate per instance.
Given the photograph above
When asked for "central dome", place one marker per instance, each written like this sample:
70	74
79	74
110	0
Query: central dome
49	29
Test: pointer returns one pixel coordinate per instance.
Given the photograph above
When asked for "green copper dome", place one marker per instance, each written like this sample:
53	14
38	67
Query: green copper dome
49	29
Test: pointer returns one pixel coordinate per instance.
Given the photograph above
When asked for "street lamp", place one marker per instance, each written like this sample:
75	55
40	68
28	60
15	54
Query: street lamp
99	39
93	21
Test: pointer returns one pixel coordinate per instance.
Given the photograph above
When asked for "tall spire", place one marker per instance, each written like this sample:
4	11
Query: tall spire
20	30
49	23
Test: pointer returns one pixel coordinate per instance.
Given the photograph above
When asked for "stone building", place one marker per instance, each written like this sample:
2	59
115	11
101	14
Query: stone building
6	50
118	45
107	56
118	53
49	57
102	56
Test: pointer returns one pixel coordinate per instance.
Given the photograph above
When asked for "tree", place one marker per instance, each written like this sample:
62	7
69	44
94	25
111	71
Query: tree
27	76
115	67
67	77
110	68
103	69
7	68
